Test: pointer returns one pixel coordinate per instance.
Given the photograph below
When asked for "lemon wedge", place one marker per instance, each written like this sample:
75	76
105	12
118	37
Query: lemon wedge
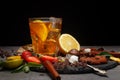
13	57
68	42
11	64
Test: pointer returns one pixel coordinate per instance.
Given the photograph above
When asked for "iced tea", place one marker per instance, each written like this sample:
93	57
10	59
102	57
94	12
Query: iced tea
44	34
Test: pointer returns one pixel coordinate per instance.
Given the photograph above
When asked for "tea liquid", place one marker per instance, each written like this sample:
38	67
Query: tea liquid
44	37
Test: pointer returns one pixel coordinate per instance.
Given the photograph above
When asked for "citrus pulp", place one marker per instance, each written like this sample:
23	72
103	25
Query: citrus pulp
39	29
68	42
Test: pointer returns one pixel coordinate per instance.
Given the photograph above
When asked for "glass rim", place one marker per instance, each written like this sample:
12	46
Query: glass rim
45	18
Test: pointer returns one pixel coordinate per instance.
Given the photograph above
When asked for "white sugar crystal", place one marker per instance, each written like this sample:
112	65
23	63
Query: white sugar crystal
73	59
87	50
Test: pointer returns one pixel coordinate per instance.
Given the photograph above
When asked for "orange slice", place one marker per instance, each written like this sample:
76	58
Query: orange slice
68	42
40	29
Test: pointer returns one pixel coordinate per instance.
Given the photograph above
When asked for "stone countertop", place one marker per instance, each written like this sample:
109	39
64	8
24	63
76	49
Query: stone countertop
112	74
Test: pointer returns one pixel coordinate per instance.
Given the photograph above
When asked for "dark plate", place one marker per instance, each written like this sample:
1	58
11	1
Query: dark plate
78	70
75	70
116	55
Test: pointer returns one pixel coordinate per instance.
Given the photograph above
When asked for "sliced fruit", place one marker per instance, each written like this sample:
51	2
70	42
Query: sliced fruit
39	28
48	58
13	57
68	42
33	59
37	21
26	54
115	59
11	64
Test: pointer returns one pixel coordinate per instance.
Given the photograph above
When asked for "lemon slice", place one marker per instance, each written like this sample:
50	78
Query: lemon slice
37	21
68	42
40	29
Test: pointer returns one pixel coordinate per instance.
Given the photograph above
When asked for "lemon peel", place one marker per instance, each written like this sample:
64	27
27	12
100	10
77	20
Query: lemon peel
13	57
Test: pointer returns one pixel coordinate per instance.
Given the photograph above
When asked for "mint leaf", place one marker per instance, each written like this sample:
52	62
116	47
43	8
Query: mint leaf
26	69
19	69
107	54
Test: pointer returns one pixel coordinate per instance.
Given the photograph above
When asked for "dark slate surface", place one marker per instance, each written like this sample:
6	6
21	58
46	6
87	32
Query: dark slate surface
112	74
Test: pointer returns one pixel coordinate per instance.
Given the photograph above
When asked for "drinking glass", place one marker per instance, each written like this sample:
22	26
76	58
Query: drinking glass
45	32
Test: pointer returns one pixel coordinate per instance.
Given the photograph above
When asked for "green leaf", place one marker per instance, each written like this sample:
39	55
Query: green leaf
33	64
107	54
19	69
1	63
26	69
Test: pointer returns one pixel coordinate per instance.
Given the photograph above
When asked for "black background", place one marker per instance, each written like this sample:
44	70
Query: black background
90	22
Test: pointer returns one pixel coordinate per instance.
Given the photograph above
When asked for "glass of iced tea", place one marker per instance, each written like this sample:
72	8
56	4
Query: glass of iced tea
45	32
